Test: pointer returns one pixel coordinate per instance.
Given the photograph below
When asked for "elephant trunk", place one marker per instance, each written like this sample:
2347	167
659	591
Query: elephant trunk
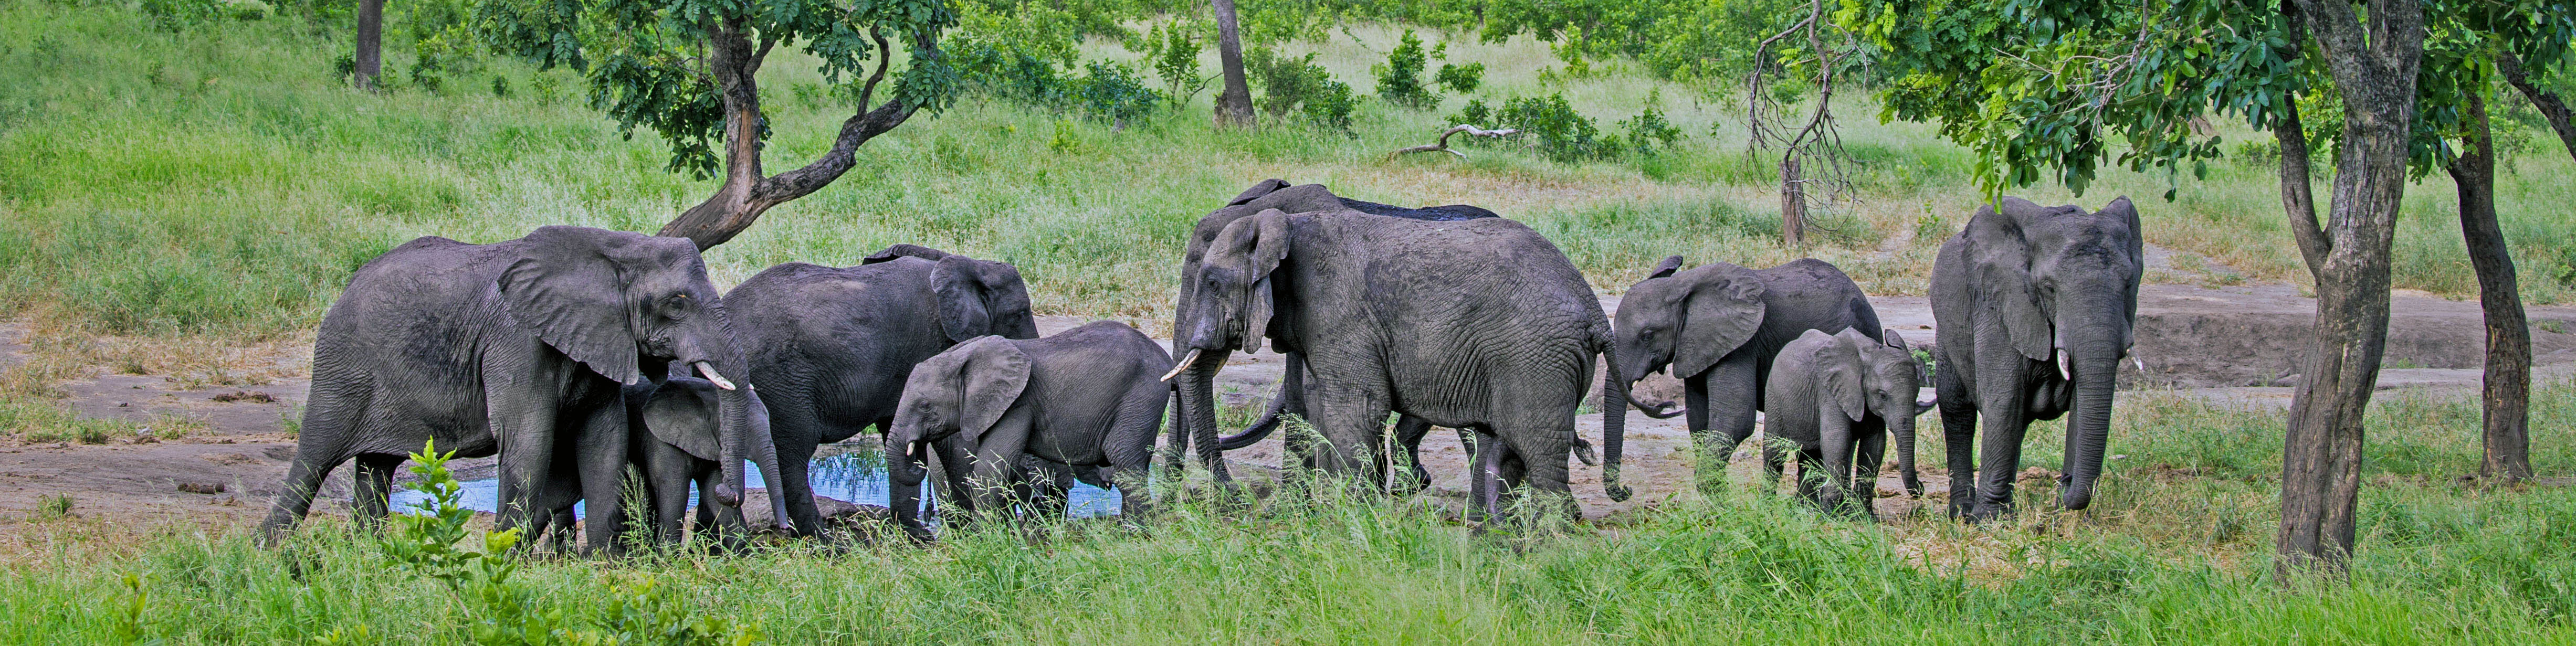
2088	431
1197	394
1292	385
1900	421
1614	428
764	456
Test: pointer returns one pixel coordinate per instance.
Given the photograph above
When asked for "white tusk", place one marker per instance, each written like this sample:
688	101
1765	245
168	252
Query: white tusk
2142	365
2064	369
709	371
1184	365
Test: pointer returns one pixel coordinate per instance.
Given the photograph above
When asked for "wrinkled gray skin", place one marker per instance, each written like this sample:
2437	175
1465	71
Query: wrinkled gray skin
1084	403
1838	396
677	447
831	346
1717	328
1472	324
1277	194
2035	307
520	348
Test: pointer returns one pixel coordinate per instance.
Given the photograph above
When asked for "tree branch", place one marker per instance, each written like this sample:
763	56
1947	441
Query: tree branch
1443	146
2551	106
885	59
2297	197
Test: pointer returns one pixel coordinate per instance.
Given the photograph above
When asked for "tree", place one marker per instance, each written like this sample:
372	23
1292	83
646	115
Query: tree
1234	103
1767	114
687	69
371	35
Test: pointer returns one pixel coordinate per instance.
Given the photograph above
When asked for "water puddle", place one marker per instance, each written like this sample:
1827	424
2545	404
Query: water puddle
852	477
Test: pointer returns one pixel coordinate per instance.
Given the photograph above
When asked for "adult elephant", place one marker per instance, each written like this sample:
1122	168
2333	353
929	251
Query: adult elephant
1717	328
832	346
2034	308
1277	194
1473	324
519	348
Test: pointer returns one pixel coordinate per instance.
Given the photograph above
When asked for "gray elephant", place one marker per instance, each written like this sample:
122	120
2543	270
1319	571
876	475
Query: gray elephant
1086	403
2034	308
831	346
1717	327
1473	324
1277	194
1838	396
678	448
520	348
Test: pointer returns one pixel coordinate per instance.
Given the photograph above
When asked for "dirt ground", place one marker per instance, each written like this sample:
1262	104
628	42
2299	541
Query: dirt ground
2196	333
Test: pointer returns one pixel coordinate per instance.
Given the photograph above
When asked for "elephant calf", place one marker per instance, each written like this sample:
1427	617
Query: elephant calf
679	448
1837	396
1088	398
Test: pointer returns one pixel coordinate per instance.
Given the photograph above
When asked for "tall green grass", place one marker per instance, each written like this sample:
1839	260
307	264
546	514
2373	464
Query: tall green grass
217	180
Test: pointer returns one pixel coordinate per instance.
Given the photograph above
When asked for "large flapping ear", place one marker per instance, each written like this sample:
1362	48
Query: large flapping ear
566	290
1840	372
1720	311
1999	258
1262	243
1666	268
994	374
960	290
904	250
1260	188
683	414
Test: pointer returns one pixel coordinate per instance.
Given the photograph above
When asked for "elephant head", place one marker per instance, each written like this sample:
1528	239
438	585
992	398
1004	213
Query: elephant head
1685	320
964	390
1861	377
620	303
1229	304
2065	284
976	297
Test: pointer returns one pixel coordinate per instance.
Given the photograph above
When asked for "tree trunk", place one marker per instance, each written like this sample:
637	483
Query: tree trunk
2374	64
2551	107
734	59
1234	105
1793	202
370	56
2507	393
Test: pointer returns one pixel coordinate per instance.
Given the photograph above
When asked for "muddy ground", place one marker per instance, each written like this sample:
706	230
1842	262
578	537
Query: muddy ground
2229	343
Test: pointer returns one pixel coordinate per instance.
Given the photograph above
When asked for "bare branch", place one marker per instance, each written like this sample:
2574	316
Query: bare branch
885	58
1443	145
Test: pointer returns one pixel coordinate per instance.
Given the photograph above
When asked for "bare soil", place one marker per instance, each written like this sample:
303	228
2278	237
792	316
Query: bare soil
2201	333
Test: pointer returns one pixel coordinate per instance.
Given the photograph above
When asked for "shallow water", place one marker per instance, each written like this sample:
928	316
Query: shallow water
845	477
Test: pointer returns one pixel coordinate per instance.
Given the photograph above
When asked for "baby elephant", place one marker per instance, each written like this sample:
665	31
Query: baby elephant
1837	396
679	448
1090	399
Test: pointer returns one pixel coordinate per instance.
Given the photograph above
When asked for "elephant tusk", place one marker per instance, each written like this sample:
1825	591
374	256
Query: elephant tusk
708	370
2142	365
1184	365
2065	370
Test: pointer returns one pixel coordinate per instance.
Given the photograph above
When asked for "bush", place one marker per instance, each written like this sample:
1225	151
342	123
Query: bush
1648	134
1020	58
1399	81
1461	78
1475	114
1176	60
1557	131
1299	85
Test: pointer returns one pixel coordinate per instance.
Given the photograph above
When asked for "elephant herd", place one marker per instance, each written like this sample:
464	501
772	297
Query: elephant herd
575	354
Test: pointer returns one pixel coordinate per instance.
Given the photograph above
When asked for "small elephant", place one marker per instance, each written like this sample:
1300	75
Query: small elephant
1718	327
678	448
1838	396
2035	307
1082	401
831	346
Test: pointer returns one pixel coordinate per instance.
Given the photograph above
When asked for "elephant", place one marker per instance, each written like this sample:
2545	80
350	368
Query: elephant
1078	403
2034	307
1476	324
1270	194
520	348
1718	327
1838	396
679	447
832	346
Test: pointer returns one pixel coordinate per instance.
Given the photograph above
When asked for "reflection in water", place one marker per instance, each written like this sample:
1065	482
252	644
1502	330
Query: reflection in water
855	477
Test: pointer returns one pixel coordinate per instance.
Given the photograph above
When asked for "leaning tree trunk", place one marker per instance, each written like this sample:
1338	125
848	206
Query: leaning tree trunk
2507	394
734	60
2374	64
370	55
2552	108
1793	201
1234	104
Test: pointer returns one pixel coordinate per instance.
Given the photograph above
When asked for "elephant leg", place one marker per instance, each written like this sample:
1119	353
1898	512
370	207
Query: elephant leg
1409	431
1811	472
1536	466
667	486
1999	395
373	486
795	464
1958	407
523	417
1866	467
1727	392
1485	474
331	424
1834	445
600	454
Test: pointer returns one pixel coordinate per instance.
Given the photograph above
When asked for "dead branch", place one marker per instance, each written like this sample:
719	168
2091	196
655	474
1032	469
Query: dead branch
1443	145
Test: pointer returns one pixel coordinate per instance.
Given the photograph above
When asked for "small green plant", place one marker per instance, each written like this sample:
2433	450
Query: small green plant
1298	85
1175	53
1649	134
2553	326
291	421
1476	113
90	434
1461	79
55	506
1559	133
1399	80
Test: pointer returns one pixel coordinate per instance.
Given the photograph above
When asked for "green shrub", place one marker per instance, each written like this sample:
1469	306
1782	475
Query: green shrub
1175	53
1554	127
1299	86
1399	81
1474	114
1461	78
1649	134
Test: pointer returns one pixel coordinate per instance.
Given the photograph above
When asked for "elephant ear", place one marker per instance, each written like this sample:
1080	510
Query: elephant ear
904	250
1720	311
995	372
682	414
567	290
962	312
1666	268
1263	187
1894	340
2000	262
1839	372
1263	239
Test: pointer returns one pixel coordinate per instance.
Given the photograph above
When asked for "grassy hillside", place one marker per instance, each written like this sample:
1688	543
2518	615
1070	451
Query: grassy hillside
217	180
